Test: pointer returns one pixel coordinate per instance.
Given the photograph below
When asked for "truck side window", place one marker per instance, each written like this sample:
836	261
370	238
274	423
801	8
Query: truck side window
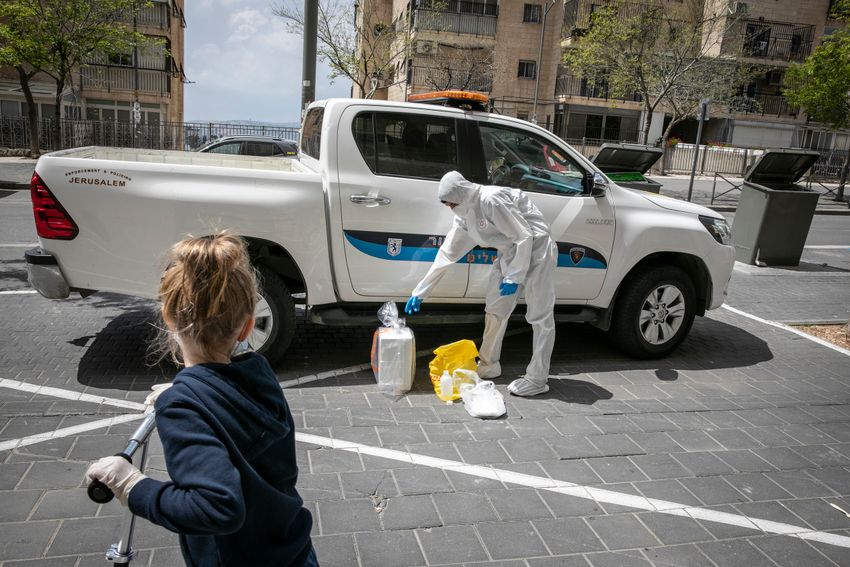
407	145
515	158
311	132
233	148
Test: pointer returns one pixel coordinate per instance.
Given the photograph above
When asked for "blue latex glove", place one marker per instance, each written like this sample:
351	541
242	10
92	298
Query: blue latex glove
412	305
507	288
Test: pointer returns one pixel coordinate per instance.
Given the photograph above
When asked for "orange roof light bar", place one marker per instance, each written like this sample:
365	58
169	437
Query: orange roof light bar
458	95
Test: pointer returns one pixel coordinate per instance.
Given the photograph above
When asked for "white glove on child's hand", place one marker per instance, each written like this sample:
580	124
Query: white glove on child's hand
116	473
158	389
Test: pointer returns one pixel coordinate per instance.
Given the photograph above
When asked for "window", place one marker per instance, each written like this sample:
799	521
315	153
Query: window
311	133
10	108
518	159
527	69
259	148
757	40
232	148
408	145
121	59
531	14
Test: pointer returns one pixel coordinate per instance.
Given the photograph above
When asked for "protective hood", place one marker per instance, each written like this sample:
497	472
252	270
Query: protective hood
454	188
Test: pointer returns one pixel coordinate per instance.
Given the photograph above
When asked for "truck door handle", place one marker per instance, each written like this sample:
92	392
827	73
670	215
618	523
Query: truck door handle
370	200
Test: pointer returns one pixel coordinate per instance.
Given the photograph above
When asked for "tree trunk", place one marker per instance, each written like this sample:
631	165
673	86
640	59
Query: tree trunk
57	115
842	181
32	112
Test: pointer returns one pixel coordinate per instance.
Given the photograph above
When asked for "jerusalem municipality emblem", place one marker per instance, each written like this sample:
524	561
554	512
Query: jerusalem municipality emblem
576	254
394	246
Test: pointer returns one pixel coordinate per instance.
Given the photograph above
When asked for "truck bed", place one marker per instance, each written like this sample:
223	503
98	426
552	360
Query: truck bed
173	157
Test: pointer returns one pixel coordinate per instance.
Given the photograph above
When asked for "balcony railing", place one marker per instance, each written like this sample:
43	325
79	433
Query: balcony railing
441	79
569	85
124	79
438	20
760	104
785	42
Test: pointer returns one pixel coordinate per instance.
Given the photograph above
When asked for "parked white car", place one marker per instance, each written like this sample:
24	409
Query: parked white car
354	221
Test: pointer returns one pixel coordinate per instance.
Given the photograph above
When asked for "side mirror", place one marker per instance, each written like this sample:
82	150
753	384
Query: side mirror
596	184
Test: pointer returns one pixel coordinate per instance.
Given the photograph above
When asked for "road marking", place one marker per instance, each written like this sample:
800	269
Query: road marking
536	482
785	327
18	292
579	491
21	245
828	247
67	431
68	394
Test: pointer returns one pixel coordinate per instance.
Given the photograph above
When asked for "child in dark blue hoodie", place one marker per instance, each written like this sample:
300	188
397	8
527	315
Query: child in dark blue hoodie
226	429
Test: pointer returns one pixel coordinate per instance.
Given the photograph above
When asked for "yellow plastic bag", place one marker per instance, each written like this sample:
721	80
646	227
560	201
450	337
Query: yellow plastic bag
451	357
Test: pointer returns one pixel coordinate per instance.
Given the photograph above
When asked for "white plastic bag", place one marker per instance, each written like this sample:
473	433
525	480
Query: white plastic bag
393	353
483	399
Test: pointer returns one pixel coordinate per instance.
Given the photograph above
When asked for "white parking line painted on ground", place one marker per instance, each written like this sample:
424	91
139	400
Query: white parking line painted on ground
587	492
68	431
812	338
19	245
18	292
68	394
828	247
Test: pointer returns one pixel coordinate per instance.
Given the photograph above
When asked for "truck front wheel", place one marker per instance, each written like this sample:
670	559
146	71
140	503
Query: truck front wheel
274	317
654	312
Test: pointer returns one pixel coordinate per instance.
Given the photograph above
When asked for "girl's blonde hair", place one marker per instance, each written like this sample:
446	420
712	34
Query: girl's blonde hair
207	291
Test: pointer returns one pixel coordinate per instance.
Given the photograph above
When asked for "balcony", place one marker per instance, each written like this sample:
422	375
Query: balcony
571	86
782	42
760	104
435	78
123	79
455	22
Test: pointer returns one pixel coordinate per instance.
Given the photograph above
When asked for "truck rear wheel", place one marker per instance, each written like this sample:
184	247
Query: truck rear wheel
654	312
274	323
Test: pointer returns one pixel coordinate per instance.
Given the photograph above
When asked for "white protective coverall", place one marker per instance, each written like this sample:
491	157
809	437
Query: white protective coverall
504	219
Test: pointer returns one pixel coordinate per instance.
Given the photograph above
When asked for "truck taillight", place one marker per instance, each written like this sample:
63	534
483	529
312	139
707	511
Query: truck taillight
51	219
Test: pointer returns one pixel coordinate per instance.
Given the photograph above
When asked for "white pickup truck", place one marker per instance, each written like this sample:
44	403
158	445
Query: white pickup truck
354	221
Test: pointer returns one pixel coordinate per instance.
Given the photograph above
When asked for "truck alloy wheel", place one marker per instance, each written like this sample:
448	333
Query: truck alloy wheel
274	316
654	311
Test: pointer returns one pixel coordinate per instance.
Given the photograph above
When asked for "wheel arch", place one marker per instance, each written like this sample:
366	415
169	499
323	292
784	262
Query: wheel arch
277	259
692	265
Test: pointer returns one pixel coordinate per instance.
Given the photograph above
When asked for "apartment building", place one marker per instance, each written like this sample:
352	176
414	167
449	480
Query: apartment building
512	49
507	49
144	86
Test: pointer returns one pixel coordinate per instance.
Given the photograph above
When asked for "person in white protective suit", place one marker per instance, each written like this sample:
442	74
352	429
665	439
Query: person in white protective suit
504	219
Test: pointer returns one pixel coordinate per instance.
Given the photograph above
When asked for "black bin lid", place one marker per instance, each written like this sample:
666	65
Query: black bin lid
626	157
782	165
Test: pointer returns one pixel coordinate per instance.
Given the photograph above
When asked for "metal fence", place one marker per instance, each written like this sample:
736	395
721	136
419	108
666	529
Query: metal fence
14	133
438	20
711	159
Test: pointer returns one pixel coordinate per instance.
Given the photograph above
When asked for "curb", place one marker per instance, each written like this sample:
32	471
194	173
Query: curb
732	209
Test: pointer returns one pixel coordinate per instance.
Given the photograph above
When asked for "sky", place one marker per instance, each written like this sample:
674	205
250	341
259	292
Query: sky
244	65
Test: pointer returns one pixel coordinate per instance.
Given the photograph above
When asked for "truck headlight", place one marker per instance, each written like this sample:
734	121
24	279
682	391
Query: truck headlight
718	228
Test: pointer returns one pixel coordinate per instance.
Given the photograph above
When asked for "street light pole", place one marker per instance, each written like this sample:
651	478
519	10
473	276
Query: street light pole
308	68
549	6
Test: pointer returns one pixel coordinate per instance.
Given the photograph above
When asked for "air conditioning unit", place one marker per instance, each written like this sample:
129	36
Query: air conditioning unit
426	47
775	77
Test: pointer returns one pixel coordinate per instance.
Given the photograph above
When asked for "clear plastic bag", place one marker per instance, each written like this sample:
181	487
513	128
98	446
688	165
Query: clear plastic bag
459	355
393	352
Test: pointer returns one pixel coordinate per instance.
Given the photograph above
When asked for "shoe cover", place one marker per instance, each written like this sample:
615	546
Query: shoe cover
526	388
489	370
483	400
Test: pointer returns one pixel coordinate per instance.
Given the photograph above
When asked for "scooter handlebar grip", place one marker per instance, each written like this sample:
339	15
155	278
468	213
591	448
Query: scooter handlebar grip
99	492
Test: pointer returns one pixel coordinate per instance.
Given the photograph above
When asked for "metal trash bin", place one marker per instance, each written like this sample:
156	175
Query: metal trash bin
626	164
774	212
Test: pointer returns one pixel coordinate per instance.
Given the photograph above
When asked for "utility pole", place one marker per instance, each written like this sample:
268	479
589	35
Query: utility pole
308	67
549	6
703	116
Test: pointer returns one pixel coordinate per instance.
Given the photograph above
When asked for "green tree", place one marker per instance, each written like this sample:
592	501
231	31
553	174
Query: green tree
821	84
671	54
57	37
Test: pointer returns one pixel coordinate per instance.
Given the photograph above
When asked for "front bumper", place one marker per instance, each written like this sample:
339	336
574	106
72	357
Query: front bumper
44	275
720	262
